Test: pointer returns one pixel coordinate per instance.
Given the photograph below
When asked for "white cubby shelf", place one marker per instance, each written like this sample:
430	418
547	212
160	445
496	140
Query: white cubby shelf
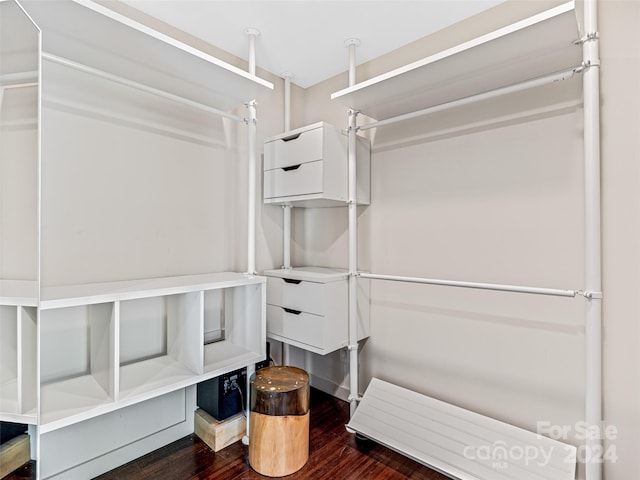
105	346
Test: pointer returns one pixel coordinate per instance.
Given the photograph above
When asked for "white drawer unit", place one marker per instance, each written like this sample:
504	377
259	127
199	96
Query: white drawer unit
308	167
308	307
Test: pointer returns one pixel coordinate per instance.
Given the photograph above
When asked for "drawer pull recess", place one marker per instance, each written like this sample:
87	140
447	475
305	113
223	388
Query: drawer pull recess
292	167
291	280
291	137
292	311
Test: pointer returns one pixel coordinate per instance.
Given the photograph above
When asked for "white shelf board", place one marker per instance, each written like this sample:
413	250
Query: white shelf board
29	418
533	47
306	346
223	357
9	396
71	401
153	377
310	200
93	35
92	293
310	274
19	292
9	408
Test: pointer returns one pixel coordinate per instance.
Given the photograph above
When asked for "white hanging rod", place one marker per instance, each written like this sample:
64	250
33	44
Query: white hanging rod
517	87
139	86
483	286
19	85
19	80
141	124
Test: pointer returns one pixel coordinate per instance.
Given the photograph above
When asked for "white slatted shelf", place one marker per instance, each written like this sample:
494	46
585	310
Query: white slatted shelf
95	36
534	47
455	441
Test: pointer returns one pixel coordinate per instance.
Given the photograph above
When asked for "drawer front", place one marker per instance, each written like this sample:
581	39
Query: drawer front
303	180
308	297
296	325
304	148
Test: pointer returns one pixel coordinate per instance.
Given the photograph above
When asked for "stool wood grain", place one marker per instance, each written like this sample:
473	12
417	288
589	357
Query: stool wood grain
279	421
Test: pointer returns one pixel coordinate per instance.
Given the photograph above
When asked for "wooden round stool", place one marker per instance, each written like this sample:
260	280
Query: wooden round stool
279	421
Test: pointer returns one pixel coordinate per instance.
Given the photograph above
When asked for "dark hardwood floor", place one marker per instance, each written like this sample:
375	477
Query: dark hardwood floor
334	455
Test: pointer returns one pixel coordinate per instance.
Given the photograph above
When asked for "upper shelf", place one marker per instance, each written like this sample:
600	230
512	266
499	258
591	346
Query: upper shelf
536	46
95	36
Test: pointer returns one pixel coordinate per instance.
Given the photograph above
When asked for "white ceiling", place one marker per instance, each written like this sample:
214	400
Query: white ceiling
306	37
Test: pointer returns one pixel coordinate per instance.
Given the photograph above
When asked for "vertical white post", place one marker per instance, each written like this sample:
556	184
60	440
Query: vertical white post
352	44
286	237
353	266
287	100
252	33
286	209
251	187
251	369
593	282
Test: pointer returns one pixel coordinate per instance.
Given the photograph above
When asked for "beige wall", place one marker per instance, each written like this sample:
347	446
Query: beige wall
485	196
620	53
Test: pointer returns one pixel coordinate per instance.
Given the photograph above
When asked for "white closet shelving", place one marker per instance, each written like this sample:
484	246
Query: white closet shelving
89	36
107	321
532	48
545	48
307	306
73	353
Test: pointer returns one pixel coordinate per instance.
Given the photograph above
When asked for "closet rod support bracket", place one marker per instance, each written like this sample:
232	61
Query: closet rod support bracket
585	66
248	120
590	295
588	37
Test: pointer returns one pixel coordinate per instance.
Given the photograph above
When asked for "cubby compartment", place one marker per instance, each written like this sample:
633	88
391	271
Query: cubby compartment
9	359
77	362
18	330
159	343
240	310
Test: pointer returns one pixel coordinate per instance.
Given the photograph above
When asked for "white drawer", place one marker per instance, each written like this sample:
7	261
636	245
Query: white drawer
305	179
296	325
308	297
294	149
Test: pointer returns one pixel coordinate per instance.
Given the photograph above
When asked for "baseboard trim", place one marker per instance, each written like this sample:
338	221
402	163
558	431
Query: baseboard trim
330	387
